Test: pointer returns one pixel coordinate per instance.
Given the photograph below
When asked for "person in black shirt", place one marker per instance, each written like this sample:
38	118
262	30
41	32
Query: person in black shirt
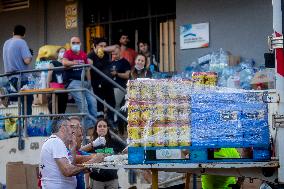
101	87
120	73
55	80
103	142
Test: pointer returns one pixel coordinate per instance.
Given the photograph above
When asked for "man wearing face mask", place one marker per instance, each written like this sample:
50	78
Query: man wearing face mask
102	88
72	57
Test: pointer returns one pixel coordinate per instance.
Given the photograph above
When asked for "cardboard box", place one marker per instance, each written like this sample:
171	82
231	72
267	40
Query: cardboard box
255	184
19	175
264	79
234	60
16	175
40	99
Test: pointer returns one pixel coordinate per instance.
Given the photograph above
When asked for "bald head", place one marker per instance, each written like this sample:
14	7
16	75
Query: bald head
75	39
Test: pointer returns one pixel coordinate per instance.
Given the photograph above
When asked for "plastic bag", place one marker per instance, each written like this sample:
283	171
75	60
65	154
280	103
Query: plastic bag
11	125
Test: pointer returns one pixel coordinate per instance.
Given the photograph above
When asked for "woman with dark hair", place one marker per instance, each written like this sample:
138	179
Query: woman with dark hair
55	80
103	142
140	70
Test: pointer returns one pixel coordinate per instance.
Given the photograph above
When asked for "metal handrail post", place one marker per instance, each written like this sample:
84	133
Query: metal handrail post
108	79
83	95
108	106
21	144
25	121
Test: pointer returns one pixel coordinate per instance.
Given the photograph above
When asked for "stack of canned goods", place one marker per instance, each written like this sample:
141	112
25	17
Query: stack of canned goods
158	113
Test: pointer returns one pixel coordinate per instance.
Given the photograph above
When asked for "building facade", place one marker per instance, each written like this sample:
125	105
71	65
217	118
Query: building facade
238	26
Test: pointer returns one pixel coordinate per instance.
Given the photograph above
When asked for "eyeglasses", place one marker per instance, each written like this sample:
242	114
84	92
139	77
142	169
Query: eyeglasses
74	42
74	125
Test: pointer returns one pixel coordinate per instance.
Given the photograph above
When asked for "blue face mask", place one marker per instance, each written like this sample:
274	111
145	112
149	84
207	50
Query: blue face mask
75	47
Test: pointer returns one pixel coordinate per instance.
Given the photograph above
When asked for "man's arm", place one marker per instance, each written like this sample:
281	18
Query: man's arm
28	60
88	74
90	61
68	169
68	63
87	147
110	48
84	158
124	75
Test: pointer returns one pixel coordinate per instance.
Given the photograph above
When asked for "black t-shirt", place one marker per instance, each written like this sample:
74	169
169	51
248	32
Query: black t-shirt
121	66
104	65
56	63
104	175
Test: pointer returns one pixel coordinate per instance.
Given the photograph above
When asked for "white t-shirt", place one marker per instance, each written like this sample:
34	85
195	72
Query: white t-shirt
52	178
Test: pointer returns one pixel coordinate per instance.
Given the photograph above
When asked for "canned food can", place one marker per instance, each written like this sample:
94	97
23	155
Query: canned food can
184	136
134	136
146	136
134	113
173	137
158	134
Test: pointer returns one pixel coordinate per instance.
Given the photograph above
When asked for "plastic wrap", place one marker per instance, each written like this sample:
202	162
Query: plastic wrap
169	113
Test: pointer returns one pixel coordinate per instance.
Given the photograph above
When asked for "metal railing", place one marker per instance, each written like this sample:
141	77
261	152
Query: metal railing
23	115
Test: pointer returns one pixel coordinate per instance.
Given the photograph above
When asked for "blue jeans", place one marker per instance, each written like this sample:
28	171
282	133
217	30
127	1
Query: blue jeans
89	102
30	98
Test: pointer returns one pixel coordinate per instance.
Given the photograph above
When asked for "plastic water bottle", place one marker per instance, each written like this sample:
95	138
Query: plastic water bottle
2	124
31	82
265	186
42	80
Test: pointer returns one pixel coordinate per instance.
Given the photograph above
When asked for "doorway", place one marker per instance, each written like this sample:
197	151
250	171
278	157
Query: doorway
141	20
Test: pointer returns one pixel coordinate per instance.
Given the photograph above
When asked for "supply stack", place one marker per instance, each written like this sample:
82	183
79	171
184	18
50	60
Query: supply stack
177	121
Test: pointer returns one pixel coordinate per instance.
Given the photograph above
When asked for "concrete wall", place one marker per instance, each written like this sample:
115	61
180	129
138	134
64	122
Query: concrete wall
238	26
56	32
31	18
39	31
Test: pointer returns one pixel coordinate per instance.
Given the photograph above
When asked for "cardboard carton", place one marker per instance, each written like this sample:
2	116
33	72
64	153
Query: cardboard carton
234	60
19	175
40	99
264	79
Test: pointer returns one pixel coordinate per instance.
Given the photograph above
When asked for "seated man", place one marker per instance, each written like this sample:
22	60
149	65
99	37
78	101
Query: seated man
73	57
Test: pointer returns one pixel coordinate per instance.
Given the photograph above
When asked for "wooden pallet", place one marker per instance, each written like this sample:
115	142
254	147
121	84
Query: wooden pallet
189	154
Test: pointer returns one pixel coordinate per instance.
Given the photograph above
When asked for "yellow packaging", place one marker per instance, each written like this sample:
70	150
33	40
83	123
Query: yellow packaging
134	136
182	112
170	112
211	79
133	90
183	135
173	137
198	77
159	136
160	112
134	113
145	112
148	91
146	136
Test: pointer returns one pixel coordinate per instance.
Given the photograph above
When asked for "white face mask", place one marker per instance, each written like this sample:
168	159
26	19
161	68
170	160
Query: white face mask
61	54
75	47
138	68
